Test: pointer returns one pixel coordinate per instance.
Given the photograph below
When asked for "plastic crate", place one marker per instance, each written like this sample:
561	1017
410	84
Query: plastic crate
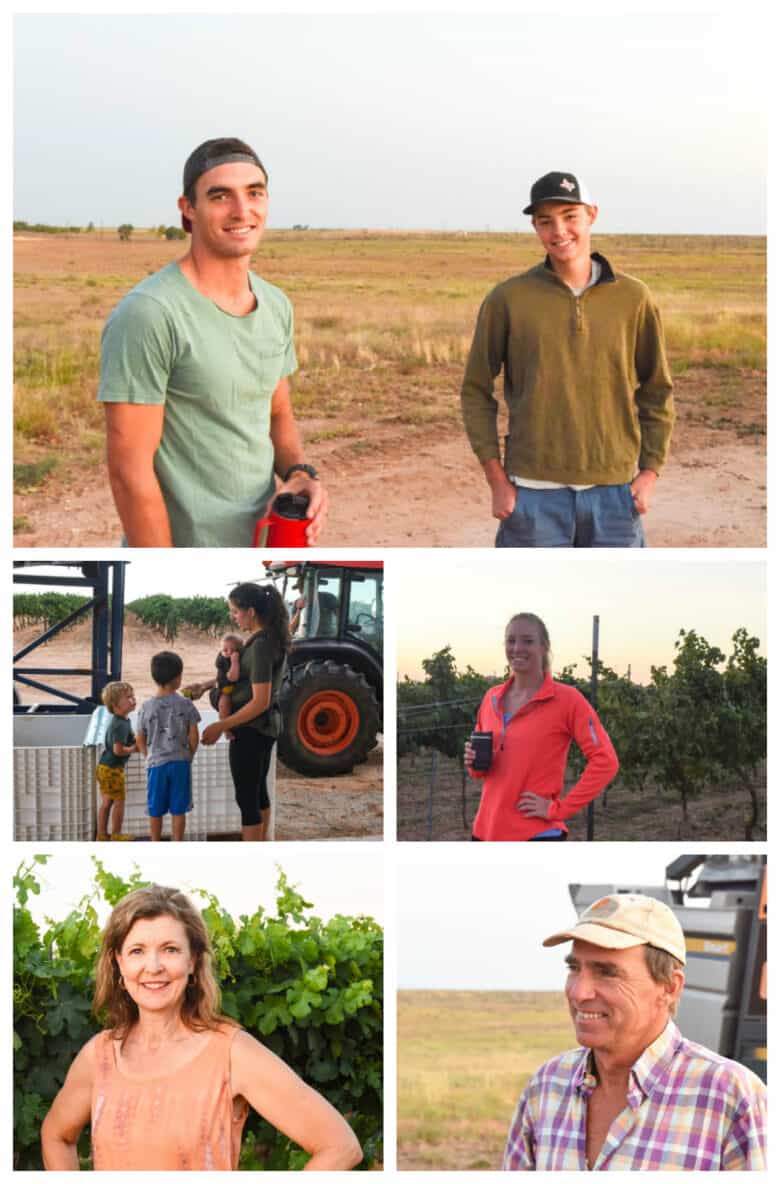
56	795
53	793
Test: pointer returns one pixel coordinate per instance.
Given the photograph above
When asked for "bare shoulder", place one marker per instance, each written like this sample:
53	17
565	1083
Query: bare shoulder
252	1064
243	1046
84	1064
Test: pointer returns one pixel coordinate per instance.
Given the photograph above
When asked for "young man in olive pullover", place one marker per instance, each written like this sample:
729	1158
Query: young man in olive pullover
586	384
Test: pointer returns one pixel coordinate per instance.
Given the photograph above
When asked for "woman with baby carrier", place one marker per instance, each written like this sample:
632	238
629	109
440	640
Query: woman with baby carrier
254	723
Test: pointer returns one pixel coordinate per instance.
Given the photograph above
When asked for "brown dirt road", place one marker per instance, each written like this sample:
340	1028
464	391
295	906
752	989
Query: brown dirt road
430	492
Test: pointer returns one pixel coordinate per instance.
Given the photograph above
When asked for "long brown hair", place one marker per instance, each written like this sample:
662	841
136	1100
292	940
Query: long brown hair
200	1003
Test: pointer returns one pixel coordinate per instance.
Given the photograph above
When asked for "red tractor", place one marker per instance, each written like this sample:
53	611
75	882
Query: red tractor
331	698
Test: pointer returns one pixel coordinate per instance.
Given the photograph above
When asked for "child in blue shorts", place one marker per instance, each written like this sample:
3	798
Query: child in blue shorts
167	734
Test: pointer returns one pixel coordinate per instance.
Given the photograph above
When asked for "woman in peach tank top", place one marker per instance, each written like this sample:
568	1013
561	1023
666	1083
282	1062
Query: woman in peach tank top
168	1085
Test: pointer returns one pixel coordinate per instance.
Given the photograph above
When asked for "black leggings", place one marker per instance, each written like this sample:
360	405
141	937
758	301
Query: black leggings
250	758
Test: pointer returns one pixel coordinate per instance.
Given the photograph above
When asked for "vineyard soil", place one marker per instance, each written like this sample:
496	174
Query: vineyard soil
619	815
324	808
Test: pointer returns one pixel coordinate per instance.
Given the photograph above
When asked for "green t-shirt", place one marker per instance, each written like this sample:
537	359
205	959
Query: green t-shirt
118	731
258	665
215	373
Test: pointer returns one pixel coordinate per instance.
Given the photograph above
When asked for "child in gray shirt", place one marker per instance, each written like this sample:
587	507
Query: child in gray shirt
167	734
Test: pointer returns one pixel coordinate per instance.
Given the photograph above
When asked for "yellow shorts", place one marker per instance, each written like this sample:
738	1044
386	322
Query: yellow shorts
111	783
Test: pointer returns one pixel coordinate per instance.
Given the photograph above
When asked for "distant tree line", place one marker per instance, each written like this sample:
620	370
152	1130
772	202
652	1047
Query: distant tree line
124	231
44	228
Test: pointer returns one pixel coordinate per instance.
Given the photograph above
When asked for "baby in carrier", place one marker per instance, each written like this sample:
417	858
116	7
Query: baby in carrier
228	664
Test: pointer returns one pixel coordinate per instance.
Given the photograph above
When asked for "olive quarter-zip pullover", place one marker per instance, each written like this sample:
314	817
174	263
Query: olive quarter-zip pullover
529	753
586	381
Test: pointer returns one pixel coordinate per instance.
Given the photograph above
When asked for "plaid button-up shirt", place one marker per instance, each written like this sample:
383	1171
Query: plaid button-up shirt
686	1109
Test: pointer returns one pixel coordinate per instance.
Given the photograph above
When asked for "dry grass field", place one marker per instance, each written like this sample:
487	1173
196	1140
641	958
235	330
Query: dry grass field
464	1058
383	326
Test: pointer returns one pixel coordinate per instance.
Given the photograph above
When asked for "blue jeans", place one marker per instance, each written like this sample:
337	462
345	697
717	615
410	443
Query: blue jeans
603	516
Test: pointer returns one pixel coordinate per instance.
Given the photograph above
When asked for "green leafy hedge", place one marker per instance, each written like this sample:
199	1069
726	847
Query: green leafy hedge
310	990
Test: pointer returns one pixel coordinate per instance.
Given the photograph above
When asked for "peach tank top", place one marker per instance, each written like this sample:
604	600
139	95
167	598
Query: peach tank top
181	1121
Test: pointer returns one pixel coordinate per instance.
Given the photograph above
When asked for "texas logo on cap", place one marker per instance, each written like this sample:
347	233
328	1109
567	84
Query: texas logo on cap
548	188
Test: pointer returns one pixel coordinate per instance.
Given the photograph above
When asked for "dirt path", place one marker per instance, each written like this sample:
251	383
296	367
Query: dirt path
417	493
348	807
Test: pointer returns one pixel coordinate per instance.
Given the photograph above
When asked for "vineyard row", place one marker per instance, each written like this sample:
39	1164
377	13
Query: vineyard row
166	614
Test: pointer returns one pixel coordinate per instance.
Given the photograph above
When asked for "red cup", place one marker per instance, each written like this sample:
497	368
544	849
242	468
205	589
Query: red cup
286	522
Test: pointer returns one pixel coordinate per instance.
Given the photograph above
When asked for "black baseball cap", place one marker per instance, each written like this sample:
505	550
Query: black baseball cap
210	154
559	187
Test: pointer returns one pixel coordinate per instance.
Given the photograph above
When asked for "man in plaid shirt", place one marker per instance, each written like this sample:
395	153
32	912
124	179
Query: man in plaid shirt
636	1095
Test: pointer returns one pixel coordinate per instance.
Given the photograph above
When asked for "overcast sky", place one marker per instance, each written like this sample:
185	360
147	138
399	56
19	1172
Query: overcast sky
178	575
397	120
465	601
473	916
331	882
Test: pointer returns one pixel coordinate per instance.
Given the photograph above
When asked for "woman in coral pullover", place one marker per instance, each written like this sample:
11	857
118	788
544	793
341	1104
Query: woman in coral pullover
533	721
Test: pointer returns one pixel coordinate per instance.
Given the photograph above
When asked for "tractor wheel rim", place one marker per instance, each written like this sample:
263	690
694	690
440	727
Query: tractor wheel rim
328	722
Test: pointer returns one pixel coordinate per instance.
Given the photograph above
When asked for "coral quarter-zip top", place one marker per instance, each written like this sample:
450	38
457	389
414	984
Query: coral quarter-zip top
530	750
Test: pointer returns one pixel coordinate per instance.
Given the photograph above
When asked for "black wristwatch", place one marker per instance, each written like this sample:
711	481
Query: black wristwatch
308	469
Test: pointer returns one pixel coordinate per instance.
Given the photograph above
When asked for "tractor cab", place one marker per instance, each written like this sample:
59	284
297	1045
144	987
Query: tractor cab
332	601
331	697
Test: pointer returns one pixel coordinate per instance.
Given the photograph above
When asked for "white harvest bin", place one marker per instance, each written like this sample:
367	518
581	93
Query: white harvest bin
55	789
53	796
214	809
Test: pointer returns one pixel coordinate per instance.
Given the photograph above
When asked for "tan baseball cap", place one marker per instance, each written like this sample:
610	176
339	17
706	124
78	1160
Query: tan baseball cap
623	920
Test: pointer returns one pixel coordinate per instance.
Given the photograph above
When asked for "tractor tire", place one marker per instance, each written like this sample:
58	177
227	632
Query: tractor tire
330	719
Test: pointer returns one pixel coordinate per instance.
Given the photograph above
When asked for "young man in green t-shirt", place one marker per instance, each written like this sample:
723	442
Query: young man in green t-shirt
586	383
194	375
